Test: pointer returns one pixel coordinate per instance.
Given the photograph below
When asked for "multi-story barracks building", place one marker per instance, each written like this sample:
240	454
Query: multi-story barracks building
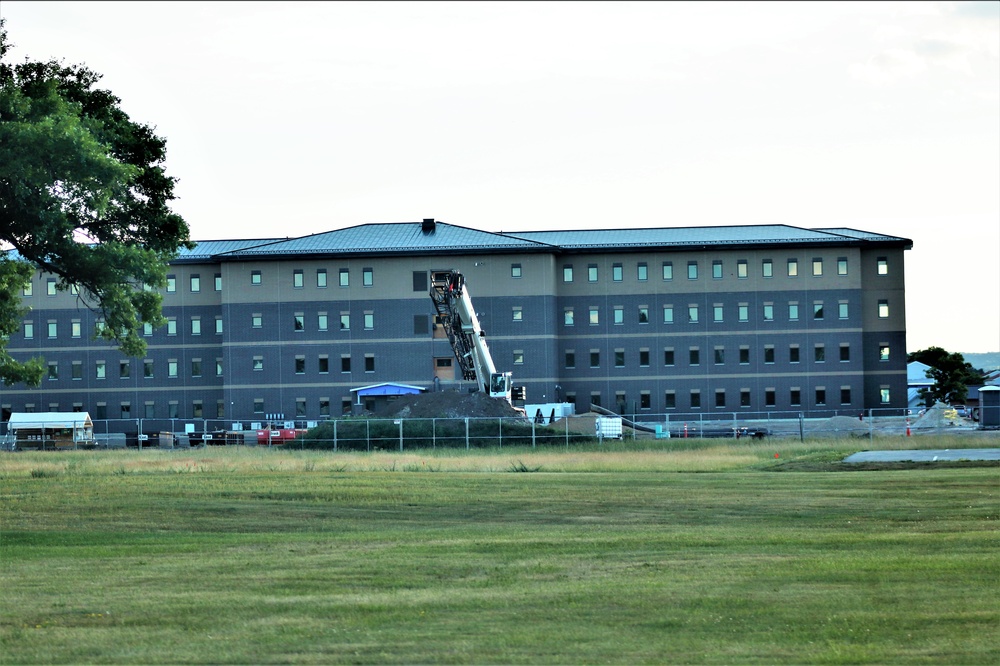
669	320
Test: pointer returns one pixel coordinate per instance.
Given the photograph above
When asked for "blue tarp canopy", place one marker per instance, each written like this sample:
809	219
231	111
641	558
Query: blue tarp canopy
387	388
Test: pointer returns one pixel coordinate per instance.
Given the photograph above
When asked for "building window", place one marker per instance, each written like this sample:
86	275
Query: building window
27	290
819	353
518	357
717	312
147	329
669	400
568	273
720	355
195	283
693	314
53	370
768	311
324	364
883	351
619	358
720	397
793	311
258	363
367	277
76	370
883	308
256	320
345	321
668	270
345	363
300	365
321	278
298	279
883	266
817	267
695	399
100	370
795	397
668	314
594	316
369	362
642	271
149	410
29	330
75	328
668	356
53	329
793	353
324	406
619	315
323	321
743	312
717	269
300	407
744	355
793	267
643	358
617	272
845	352
692	270
515	271
694	356
299	321
172	368
195	325
769	397
256	278
258	405
767	268
595	358
345	277
570	359
818	310
218	325
744	397
768	354
126	410
147	368
218	281
842	266
171	284
171	326
644	400
842	309
820	395
568	317
369	321
196	367
516	313
845	395
592	273
124	370
218	367
643	314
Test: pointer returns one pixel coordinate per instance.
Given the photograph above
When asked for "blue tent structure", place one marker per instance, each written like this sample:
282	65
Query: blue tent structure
369	396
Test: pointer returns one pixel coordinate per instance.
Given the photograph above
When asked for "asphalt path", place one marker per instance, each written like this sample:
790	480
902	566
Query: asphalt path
924	455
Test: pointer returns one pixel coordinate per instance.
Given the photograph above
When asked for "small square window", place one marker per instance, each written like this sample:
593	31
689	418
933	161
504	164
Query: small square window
256	278
883	266
516	313
515	270
883	308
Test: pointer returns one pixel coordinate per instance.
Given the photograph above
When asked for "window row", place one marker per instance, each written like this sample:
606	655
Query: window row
721	398
740	269
692	313
716	355
298	279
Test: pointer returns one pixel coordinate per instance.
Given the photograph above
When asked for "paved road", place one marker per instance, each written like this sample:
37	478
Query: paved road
927	455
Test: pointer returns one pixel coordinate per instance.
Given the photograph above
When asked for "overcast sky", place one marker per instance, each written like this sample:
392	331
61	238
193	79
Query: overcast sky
285	119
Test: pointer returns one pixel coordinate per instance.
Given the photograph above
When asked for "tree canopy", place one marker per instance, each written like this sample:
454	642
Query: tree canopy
83	196
950	372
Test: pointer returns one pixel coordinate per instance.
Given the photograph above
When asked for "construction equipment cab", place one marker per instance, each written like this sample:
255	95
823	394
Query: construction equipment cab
468	340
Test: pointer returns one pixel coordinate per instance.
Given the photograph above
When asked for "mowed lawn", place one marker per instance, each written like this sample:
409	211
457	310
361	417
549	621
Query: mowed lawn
230	556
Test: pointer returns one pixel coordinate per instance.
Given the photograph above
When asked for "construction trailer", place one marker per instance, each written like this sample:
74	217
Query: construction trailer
50	430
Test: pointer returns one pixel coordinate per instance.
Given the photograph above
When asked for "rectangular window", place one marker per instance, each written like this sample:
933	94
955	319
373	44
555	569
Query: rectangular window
717	269
298	279
817	309
720	397
323	366
793	353
795	396
518	357
568	273
594	316
367	277
695	399
619	315
884	395
100	370
842	266
717	312
668	356
29	330
515	271
147	368
768	354
126	410
641	271
218	367
643	358
595	358
258	405
845	352
171	326
321	278
619	358
300	365
256	320
299	321
369	362
845	395
76	370
819	353
172	368
218	281
258	363
769	397
744	397
720	355
324	406
592	273
149	410
345	277
668	314
744	355
369	320
767	268
256	278
171	284
693	313
668	270
218	325
568	317
643	314
196	367
345	363
817	267
75	328
617	272
793	267
743	312
883	266
53	370
694	356
883	308
670	400
793	311
692	270
883	351
516	313
570	359
644	400
300	407
195	283
196	409
323	321
345	321
768	311
124	370
742	271
195	325
842	311
147	329
820	395
53	329
26	291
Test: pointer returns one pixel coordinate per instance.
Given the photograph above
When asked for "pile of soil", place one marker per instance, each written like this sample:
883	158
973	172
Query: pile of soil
446	404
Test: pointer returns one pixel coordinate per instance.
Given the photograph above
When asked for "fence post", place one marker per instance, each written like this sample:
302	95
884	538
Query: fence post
335	435
400	435
736	429
500	430
368	434
532	433
802	434
466	433
871	426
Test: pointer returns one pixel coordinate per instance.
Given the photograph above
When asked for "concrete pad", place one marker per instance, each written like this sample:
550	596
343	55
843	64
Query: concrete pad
924	455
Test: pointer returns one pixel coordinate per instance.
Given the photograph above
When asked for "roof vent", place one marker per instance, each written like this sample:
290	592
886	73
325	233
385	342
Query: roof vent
428	225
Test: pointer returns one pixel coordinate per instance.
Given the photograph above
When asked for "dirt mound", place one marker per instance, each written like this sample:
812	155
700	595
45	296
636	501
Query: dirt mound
446	404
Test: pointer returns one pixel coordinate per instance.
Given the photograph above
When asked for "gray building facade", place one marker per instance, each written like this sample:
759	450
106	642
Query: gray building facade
685	320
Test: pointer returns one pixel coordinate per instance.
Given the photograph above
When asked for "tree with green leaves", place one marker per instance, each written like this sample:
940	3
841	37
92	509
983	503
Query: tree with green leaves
950	372
83	196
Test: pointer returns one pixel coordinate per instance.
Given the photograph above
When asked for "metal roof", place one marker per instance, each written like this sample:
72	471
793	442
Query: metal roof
676	236
207	249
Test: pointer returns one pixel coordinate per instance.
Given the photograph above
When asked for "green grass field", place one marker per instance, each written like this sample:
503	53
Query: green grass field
713	553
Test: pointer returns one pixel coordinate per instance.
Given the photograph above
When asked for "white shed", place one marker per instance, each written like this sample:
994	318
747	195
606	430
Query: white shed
51	429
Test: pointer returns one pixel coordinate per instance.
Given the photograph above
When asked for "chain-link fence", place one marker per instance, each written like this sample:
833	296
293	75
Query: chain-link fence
369	434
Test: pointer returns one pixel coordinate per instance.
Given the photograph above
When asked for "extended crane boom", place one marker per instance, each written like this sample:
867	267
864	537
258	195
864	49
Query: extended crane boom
468	340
